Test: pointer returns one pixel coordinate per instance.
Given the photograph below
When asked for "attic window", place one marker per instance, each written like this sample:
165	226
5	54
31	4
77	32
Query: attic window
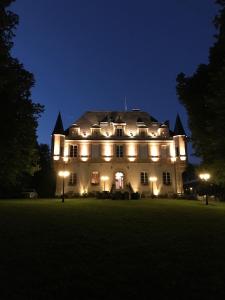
74	131
96	131
119	132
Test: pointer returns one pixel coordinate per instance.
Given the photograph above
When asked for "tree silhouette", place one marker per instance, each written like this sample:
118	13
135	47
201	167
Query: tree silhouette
18	114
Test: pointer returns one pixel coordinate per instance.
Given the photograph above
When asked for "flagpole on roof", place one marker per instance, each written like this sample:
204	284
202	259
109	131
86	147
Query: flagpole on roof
125	103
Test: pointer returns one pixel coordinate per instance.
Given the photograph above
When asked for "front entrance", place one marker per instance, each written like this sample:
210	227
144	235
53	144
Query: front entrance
119	180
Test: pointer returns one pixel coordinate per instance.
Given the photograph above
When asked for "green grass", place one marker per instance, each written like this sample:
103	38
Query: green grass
101	249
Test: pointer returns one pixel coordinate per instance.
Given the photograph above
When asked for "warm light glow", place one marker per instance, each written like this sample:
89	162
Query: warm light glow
204	176
107	158
132	149
131	158
104	179
131	134
83	190
172	151
155	158
153	178
66	152
57	144
84	151
156	192
182	157
56	157
107	134
84	158
107	151
154	152
182	147
64	174
118	175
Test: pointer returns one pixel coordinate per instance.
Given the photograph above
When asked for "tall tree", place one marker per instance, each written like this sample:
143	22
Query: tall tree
203	96
44	178
18	114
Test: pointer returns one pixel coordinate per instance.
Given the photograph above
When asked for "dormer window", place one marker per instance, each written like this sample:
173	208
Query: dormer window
95	130
143	131
119	132
74	130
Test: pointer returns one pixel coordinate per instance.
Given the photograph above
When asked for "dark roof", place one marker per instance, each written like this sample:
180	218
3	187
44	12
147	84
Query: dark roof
130	117
95	126
58	126
74	125
179	129
139	120
119	120
105	119
167	123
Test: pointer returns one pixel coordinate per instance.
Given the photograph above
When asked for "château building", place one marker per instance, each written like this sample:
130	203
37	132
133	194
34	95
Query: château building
126	151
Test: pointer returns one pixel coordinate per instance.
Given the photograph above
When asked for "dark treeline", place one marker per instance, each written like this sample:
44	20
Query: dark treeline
19	150
203	96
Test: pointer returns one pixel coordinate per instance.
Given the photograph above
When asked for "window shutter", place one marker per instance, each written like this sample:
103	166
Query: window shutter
143	151
95	151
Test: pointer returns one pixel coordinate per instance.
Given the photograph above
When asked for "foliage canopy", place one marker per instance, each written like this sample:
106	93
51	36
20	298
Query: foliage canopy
18	114
203	96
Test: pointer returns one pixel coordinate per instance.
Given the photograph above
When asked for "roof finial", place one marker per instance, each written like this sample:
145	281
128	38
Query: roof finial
125	103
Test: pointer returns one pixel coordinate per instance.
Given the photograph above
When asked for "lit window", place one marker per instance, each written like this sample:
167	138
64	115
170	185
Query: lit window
72	179
144	178
166	178
73	150
95	177
119	150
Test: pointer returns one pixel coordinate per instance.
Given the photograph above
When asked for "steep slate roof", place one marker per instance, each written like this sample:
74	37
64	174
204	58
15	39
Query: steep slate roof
130	117
179	129
58	126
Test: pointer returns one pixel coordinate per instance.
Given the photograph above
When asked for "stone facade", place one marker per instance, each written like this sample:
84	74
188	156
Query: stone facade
128	151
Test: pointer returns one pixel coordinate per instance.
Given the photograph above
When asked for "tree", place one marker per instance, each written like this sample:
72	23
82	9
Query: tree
18	114
203	96
44	178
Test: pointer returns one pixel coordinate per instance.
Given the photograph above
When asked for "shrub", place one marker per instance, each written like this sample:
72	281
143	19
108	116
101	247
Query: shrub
135	196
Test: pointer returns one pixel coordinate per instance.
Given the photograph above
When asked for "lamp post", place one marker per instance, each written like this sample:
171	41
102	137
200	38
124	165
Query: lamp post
104	179
152	179
205	177
63	174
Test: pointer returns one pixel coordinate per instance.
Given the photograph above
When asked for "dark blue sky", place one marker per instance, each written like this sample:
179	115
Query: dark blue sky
90	54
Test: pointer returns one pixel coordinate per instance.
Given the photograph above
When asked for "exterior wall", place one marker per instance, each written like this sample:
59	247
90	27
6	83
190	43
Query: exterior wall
152	156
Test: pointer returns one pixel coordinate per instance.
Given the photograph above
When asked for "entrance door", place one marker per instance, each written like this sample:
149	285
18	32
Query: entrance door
119	180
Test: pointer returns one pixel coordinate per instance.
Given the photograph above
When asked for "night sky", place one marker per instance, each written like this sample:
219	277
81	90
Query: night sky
90	54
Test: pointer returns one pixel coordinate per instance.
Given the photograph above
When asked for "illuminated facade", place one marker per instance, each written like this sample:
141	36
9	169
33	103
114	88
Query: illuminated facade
126	151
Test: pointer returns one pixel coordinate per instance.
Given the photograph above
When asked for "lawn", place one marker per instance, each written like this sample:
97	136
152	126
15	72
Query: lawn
104	249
